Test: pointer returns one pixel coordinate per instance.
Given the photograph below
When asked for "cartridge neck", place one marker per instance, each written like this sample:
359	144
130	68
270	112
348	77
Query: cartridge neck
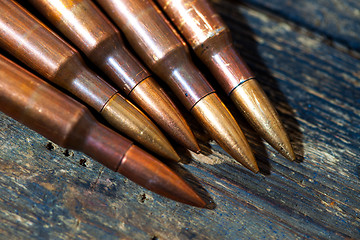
98	142
180	73
75	77
220	56
118	63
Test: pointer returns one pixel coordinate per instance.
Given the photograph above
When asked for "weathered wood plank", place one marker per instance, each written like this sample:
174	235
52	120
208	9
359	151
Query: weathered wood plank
336	19
315	87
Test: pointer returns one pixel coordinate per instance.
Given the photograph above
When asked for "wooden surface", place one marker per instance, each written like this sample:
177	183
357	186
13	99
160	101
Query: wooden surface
306	56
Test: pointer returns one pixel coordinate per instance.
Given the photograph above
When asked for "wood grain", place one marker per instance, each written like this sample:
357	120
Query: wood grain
48	192
337	20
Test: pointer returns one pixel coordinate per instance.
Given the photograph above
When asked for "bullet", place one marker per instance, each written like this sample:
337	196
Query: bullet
85	26
33	43
167	55
210	38
69	124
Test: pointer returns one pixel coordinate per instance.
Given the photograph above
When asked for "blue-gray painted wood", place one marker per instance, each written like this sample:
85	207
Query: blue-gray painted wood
47	192
338	20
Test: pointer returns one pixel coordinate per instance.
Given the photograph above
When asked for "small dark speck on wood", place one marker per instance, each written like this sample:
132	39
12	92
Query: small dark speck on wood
142	198
50	146
82	162
66	153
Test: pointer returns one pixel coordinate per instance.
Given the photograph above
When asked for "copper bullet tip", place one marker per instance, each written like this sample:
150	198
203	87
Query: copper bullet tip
139	166
66	122
153	100
256	107
222	126
128	119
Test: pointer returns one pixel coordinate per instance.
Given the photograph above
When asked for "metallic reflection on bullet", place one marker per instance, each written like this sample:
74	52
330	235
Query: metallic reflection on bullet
66	122
31	42
166	54
117	112
165	182
220	122
267	122
85	25
160	103
210	38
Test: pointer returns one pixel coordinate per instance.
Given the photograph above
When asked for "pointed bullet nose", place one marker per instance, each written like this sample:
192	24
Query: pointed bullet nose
256	107
154	101
129	120
147	171
221	125
287	151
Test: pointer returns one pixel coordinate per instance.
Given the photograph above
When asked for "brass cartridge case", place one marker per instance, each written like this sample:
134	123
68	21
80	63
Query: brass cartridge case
167	55
86	26
66	122
38	47
210	39
160	47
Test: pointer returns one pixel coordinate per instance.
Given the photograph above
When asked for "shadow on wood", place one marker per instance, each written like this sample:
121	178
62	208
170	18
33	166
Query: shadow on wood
193	182
246	44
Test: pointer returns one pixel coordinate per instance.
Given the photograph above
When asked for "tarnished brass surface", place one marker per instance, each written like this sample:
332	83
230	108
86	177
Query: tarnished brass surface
66	122
162	49
165	112
85	26
53	114
225	64
31	42
89	30
222	126
254	104
209	37
195	19
166	182
123	115
159	46
212	43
